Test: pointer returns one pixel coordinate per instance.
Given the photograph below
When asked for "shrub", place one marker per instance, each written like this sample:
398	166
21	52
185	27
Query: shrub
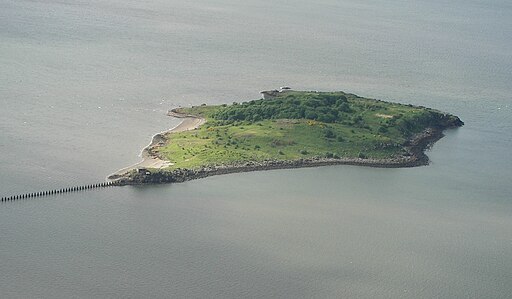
329	133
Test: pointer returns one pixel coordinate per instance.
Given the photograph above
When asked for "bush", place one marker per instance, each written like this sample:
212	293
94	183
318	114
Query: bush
325	107
329	133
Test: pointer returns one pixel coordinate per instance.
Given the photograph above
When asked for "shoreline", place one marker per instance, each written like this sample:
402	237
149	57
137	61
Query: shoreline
415	146
149	159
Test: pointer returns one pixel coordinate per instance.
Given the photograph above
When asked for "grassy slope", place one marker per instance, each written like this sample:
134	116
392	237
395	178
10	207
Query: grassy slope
368	130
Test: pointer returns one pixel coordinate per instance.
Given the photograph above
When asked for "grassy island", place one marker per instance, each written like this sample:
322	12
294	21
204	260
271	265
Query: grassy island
297	129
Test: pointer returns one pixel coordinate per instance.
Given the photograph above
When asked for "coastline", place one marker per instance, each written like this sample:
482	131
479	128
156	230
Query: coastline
415	147
149	159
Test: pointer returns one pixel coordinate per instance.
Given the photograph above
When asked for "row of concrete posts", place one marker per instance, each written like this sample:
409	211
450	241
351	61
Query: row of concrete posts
59	191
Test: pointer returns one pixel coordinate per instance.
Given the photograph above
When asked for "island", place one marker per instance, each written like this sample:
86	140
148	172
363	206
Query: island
289	129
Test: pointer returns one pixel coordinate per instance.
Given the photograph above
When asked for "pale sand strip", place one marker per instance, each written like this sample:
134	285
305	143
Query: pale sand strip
151	161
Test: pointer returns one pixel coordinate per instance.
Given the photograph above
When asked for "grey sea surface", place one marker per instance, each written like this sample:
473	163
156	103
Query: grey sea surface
85	84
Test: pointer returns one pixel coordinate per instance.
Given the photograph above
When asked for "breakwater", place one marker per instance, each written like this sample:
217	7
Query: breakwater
60	191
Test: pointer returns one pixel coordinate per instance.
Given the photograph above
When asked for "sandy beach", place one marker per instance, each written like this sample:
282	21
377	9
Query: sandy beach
152	161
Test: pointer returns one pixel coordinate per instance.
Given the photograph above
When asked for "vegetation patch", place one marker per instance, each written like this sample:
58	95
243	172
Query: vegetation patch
295	125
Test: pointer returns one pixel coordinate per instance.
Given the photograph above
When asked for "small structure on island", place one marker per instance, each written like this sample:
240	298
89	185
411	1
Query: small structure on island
143	171
269	94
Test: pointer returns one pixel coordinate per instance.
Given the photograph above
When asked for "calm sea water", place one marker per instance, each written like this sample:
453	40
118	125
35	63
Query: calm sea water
84	85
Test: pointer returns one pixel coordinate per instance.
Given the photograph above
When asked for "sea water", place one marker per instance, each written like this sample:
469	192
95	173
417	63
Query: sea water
85	84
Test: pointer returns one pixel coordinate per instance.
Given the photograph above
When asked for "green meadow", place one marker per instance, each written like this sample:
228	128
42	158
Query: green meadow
294	125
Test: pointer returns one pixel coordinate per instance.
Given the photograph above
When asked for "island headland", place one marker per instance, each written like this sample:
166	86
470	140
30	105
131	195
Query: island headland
288	129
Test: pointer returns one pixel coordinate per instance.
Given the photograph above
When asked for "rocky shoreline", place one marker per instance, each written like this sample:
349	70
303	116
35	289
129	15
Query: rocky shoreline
415	147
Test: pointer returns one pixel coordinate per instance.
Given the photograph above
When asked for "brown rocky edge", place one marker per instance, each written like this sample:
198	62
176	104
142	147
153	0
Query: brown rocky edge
415	156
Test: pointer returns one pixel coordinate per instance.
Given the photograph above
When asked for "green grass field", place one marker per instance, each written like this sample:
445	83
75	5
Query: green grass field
257	130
